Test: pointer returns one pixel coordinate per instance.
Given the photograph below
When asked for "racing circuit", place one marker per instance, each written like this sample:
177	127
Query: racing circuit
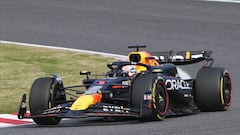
110	26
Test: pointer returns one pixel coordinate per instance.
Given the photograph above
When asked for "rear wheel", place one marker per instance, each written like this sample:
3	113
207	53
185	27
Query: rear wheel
213	89
40	99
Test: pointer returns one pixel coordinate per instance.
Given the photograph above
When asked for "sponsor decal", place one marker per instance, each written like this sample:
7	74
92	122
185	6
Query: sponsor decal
119	109
53	110
126	82
175	84
187	95
102	82
147	97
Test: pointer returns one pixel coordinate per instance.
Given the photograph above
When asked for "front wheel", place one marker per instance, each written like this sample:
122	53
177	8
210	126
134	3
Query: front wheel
154	107
213	89
160	100
40	99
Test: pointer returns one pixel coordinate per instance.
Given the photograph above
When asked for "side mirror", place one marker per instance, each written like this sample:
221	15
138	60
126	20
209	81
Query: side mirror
87	73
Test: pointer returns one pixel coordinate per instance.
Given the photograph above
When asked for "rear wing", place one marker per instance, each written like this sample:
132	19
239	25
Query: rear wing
183	57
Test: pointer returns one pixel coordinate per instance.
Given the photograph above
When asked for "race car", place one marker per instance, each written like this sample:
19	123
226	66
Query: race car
147	87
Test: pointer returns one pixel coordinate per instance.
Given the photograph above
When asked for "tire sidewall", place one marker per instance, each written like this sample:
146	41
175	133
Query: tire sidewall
145	83
40	100
210	89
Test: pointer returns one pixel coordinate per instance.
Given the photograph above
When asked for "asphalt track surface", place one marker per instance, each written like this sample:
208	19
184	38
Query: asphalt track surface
112	25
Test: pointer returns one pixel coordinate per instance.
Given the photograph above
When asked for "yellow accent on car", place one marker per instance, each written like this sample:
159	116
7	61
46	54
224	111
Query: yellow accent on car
160	118
156	71
188	55
142	57
140	68
138	57
221	91
84	71
83	102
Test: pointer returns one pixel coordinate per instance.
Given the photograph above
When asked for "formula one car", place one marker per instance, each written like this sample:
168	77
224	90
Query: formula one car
147	86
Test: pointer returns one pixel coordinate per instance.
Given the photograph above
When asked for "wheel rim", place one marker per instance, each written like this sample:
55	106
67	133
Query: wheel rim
227	89
161	98
51	98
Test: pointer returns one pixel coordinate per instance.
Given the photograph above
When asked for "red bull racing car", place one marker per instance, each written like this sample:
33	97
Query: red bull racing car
147	86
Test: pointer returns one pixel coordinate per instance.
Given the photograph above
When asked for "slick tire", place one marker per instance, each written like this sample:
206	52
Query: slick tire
213	89
40	99
159	101
140	85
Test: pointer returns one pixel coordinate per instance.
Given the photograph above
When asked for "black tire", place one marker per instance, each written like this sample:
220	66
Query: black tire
141	84
213	89
40	99
160	99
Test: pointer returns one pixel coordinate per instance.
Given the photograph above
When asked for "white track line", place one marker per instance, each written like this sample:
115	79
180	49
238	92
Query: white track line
13	117
4	125
11	120
67	49
228	1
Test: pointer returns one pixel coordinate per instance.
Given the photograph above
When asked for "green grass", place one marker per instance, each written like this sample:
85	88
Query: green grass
21	65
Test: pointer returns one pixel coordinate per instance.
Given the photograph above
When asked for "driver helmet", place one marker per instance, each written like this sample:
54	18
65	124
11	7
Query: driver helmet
130	70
